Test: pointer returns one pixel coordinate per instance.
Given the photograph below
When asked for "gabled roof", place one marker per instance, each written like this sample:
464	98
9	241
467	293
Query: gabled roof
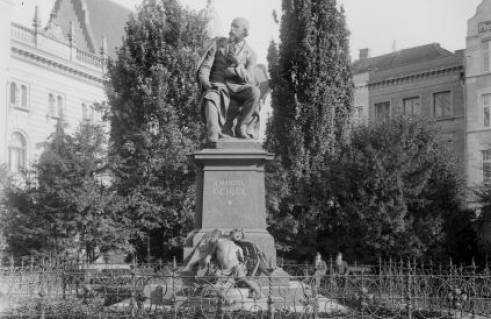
399	58
92	20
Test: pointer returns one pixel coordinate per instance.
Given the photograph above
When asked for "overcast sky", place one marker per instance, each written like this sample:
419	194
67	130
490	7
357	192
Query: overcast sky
380	25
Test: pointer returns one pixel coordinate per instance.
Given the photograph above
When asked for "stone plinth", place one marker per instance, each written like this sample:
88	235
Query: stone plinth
230	192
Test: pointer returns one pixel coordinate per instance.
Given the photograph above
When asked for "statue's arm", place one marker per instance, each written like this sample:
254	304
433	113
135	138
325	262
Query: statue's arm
205	68
211	253
240	254
246	72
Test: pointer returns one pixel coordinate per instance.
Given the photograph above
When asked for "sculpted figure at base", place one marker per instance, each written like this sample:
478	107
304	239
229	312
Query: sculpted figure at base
230	90
229	257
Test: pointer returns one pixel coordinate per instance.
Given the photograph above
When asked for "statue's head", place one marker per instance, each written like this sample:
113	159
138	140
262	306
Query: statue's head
237	234
239	30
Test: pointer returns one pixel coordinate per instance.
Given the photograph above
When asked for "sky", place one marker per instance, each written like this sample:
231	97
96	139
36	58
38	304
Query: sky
380	25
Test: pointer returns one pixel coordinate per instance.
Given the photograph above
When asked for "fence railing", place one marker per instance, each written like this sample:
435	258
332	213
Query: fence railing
165	291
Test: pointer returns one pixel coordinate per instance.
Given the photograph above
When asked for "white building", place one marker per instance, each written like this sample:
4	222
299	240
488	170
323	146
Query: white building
53	72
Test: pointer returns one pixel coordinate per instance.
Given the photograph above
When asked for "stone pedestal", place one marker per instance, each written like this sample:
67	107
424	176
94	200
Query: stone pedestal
230	192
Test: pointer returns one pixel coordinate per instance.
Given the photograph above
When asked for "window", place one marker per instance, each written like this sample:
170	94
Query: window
19	95
486	46
486	166
23	90
442	104
382	111
51	99
61	112
411	106
486	103
358	113
85	112
17	152
13	93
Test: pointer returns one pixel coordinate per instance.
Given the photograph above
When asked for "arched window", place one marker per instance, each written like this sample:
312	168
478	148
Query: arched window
51	99
13	93
61	112
85	112
23	90
17	152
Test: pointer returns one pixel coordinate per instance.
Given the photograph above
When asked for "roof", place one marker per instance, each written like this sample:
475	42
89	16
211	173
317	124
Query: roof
92	20
402	57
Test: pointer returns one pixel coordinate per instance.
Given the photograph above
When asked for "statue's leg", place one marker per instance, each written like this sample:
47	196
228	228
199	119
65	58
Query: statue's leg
241	276
252	285
232	113
211	121
248	97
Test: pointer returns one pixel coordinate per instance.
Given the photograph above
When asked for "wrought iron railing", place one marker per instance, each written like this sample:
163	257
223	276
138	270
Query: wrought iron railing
163	291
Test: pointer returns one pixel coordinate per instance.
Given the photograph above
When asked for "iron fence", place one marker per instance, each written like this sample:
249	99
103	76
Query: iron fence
163	291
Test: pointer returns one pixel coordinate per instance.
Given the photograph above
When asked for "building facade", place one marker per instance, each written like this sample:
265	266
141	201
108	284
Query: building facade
52	73
425	81
478	98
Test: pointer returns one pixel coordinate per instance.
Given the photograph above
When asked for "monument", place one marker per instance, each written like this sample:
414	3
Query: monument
230	167
239	268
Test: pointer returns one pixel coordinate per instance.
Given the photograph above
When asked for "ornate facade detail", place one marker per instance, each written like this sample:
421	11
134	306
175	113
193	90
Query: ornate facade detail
415	77
56	65
53	30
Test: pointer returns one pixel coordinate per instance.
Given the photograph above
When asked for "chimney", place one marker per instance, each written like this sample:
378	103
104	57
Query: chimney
364	53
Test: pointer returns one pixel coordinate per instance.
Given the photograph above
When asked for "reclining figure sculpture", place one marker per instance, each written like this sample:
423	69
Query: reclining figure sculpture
231	258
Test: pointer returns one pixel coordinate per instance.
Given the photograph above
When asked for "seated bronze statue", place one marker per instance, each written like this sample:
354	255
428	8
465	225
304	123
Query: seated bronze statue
232	85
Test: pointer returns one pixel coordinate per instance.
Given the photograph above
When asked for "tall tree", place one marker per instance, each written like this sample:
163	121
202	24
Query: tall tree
155	120
312	101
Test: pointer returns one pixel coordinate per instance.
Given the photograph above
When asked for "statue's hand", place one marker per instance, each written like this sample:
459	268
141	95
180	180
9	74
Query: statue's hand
206	86
232	57
230	72
207	260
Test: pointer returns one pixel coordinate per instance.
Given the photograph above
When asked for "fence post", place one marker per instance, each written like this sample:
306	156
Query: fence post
409	281
133	292
220	312
270	298
174	287
315	293
473	292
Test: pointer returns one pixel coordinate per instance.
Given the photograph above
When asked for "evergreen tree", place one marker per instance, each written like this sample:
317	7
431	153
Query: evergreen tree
394	192
312	101
155	121
64	208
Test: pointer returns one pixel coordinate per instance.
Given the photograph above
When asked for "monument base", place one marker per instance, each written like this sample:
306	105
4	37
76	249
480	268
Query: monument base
260	237
230	193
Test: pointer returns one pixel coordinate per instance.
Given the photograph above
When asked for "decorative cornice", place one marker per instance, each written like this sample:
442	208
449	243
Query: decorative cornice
56	65
416	76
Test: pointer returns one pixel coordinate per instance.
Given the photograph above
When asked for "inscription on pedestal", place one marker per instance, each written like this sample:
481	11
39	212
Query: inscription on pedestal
229	187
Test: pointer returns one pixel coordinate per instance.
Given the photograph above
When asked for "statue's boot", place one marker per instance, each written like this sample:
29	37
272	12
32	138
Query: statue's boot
241	131
213	137
227	128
